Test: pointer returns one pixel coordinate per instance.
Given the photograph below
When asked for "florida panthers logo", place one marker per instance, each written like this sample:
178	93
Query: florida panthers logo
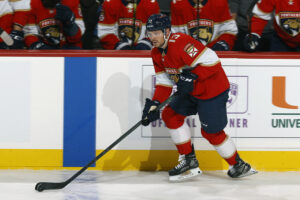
126	28
290	23
201	30
173	74
50	31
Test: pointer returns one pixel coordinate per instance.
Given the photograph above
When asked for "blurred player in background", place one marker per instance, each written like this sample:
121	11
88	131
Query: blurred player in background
208	21
122	24
286	35
48	24
6	16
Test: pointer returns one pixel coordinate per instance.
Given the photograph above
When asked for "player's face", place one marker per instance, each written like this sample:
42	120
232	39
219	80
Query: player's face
157	38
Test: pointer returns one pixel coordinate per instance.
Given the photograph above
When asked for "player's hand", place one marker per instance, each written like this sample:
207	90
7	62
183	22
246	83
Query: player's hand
220	46
185	84
3	45
40	46
149	112
67	17
143	44
250	42
18	38
64	14
124	44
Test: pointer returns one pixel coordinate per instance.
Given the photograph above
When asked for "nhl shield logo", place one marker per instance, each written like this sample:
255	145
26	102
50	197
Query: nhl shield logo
233	93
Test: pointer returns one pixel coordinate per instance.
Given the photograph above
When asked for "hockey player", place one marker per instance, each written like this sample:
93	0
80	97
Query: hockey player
122	24
208	21
50	24
202	88
286	25
6	15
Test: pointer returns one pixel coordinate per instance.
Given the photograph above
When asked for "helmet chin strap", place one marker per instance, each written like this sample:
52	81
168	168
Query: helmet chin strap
166	38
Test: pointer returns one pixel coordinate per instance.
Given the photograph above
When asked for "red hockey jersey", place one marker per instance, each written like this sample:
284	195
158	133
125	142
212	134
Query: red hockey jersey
40	21
286	22
184	51
116	19
6	16
215	21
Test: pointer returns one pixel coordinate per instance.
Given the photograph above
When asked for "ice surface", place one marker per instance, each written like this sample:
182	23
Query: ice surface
134	185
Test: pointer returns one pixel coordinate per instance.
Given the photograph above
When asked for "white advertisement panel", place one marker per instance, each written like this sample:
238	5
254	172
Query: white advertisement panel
263	108
31	106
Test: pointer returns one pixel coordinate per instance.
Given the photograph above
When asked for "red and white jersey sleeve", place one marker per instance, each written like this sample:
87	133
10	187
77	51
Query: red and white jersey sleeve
40	18
6	15
108	24
178	17
163	83
213	23
21	11
287	19
184	51
31	31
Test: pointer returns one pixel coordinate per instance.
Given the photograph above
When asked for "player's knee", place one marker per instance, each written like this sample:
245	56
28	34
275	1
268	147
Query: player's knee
172	119
214	138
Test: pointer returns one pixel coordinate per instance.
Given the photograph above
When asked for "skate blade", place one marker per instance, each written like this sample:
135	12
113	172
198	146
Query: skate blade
249	173
186	175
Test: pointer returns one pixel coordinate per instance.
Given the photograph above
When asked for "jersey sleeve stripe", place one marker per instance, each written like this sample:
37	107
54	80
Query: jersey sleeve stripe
260	14
206	58
163	79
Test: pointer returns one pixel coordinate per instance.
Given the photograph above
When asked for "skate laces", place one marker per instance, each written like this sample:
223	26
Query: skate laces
181	157
180	164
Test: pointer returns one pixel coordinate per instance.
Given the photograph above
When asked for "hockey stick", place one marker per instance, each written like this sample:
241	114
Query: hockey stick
52	186
249	14
198	18
6	37
133	25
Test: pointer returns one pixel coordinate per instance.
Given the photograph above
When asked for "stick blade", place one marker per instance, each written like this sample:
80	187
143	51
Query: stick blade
41	186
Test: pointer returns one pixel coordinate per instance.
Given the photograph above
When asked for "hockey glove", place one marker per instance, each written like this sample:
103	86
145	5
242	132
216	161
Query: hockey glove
67	17
3	45
40	46
250	42
18	38
220	46
185	84
149	114
143	44
123	44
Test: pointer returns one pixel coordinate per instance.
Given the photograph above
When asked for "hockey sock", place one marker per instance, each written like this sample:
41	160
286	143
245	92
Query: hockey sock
182	139
223	144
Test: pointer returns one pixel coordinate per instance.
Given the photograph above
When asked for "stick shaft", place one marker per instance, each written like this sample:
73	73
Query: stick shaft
116	142
133	23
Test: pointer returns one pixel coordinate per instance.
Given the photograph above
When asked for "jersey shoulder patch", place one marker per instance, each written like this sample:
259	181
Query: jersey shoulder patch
191	50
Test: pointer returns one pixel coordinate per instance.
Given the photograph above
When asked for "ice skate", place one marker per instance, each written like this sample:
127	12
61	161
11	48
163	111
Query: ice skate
187	167
241	169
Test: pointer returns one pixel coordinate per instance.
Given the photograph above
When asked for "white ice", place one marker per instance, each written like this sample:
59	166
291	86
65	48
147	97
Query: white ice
133	185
